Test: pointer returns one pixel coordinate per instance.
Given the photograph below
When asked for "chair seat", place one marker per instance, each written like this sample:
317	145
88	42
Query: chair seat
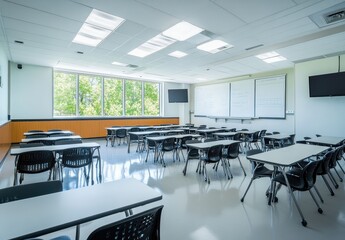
263	171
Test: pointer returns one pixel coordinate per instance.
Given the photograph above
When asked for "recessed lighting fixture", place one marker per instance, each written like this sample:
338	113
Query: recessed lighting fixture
271	57
214	46
274	59
178	54
151	46
19	42
201	79
182	31
79	52
97	27
267	55
120	64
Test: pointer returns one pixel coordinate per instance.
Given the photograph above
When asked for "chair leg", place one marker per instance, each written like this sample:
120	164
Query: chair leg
336	171
318	193
245	193
15	181
319	209
245	174
333	179
328	186
340	167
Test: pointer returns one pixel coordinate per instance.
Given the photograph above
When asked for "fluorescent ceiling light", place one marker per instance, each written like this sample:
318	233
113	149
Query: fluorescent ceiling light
178	54
96	28
267	55
214	46
182	31
271	57
86	40
274	59
120	64
151	46
104	20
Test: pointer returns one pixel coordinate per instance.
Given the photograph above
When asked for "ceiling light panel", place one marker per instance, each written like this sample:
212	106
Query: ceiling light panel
104	20
267	55
151	46
182	31
214	46
120	64
178	54
96	28
274	59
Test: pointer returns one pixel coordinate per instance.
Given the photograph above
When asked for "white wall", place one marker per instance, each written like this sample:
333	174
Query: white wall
282	125
180	110
321	115
4	87
31	92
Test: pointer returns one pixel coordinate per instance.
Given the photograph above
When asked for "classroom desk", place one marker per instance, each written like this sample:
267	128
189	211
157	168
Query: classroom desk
34	217
204	146
286	157
47	133
58	148
226	135
327	141
208	131
52	139
278	138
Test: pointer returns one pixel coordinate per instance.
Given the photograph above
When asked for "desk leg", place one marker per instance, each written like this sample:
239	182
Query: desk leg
185	166
304	222
77	232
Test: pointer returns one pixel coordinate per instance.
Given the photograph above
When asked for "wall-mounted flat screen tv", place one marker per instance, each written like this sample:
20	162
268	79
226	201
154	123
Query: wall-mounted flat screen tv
327	85
178	95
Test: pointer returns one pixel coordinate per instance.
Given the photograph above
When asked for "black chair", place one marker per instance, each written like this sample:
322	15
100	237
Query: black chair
34	131
231	153
54	130
67	141
168	145
213	155
144	225
24	191
318	135
120	134
307	138
110	137
58	134
259	170
32	163
37	136
134	139
30	144
275	132
80	157
301	180
324	169
333	164
192	153
253	139
151	145
181	144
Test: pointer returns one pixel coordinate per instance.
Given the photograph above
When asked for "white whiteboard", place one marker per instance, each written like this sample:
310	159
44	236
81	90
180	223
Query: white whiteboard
212	100
270	97
242	98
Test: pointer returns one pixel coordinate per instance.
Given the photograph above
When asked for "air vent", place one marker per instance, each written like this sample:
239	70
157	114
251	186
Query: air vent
332	15
335	17
19	42
132	66
250	48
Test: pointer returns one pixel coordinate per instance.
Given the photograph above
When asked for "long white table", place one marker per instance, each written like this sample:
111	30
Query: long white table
52	139
33	217
327	141
48	133
286	157
58	148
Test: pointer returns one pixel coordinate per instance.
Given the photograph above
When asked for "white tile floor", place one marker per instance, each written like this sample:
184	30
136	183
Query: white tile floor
195	210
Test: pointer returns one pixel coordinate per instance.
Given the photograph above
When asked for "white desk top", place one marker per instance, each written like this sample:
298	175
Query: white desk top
144	133
325	140
277	136
207	130
36	216
47	133
225	134
117	128
26	140
287	156
205	145
17	150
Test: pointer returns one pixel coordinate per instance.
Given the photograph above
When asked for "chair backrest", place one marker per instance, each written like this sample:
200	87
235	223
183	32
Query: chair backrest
67	141
35	162
253	152
237	137
145	226
57	134
54	130
275	132
324	163
233	150
292	139
121	133
202	127
256	136
37	136
193	153
307	138
309	174
168	144
76	157
29	190
302	142
184	139
214	153
318	135
35	131
210	140
28	145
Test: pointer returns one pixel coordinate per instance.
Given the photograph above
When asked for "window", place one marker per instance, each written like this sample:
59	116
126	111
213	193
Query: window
113	103
93	95
151	99
65	92
133	98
